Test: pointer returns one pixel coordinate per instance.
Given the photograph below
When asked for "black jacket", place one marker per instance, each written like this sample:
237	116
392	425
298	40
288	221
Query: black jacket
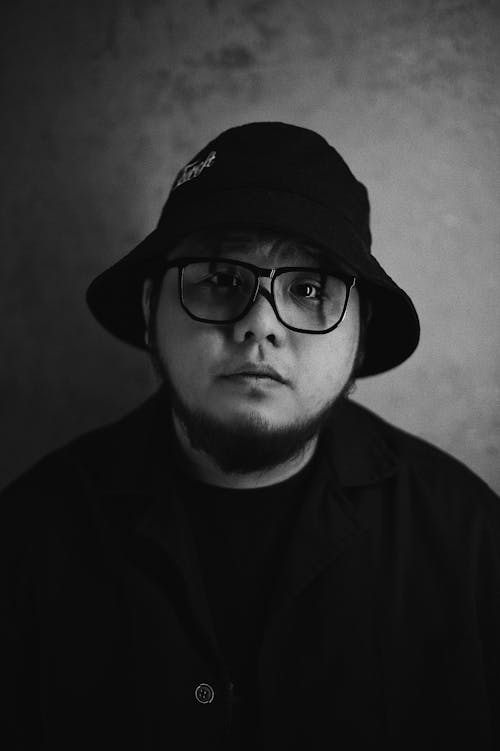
384	631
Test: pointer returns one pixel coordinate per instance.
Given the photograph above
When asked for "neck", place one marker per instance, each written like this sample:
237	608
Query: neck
204	468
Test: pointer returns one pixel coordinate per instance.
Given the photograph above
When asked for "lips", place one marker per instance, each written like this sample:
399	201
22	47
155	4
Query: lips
256	371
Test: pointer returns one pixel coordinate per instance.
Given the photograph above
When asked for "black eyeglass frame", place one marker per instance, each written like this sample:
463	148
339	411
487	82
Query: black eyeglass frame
260	272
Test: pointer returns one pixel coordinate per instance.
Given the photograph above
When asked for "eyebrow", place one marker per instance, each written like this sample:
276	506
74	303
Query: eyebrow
281	246
284	246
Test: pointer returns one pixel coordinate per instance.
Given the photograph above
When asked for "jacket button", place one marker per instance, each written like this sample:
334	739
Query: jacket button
204	693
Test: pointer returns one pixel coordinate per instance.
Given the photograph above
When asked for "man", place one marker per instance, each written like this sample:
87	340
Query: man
251	560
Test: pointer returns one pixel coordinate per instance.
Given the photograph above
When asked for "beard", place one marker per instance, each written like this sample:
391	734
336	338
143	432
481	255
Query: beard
244	444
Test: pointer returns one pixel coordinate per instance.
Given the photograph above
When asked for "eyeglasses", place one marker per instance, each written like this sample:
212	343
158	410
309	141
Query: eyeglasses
221	290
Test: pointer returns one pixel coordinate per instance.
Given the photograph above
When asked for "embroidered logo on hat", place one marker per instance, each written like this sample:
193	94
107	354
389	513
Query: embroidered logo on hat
192	170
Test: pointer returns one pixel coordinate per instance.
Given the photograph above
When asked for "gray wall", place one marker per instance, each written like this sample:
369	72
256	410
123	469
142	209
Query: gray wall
102	102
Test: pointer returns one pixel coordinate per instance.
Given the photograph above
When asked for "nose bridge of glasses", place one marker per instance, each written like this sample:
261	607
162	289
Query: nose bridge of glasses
266	293
264	284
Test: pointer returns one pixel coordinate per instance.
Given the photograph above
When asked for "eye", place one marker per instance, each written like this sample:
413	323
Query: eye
306	290
222	279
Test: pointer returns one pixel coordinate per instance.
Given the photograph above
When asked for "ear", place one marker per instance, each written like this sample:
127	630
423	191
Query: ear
146	306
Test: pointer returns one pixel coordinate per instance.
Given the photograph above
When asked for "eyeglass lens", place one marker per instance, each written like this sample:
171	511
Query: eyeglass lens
220	291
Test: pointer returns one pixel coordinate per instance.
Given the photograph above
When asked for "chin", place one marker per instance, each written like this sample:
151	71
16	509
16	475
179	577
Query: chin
264	416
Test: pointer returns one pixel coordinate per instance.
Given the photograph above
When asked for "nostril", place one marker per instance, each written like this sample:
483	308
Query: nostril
250	335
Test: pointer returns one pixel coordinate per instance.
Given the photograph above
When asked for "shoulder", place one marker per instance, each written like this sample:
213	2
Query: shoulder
408	483
50	509
416	459
89	462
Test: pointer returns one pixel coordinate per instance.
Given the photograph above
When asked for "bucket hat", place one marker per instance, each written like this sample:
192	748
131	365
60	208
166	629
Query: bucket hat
275	176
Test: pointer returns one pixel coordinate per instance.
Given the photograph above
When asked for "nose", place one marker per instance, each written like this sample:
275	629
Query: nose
260	322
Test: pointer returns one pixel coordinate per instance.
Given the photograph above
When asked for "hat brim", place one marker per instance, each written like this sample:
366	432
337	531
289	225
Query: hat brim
115	296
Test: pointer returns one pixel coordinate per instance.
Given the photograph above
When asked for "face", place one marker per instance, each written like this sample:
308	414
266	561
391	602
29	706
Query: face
204	364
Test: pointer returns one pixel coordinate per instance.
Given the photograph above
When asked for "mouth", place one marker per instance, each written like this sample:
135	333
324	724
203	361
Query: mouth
257	375
253	377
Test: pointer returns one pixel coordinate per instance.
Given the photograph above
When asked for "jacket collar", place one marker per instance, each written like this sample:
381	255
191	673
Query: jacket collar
359	450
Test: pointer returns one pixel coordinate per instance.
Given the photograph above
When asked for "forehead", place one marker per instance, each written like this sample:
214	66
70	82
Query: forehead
260	245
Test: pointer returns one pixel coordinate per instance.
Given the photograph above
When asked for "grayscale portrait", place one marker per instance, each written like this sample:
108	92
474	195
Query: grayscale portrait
250	370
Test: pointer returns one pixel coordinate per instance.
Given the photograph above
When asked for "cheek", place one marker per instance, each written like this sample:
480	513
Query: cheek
187	348
325	366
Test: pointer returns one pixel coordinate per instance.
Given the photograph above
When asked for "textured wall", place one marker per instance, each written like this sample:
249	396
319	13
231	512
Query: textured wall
103	101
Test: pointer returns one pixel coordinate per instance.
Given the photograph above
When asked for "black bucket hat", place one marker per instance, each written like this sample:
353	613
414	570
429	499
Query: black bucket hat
273	176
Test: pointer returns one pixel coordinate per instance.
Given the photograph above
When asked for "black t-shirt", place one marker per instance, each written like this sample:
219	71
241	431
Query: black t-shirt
241	538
